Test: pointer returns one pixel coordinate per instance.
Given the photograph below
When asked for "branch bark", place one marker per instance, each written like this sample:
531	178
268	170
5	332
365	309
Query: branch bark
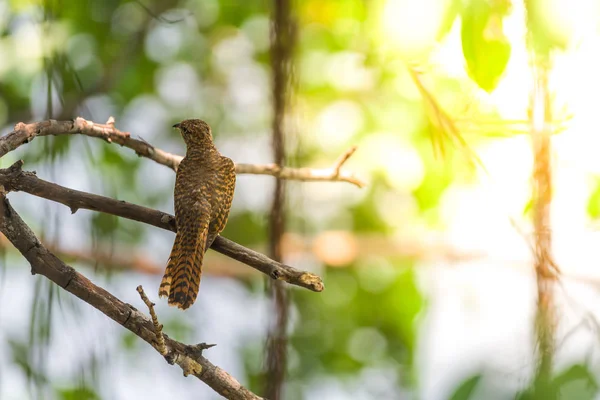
25	133
43	262
14	179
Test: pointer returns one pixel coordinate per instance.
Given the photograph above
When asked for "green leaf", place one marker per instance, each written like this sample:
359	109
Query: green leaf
528	207
21	357
105	225
466	389
437	179
576	383
179	329
593	206
546	31
450	15
405	301
485	47
129	341
80	393
253	231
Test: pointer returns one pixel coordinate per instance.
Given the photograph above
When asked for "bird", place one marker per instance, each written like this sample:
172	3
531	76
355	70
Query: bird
204	188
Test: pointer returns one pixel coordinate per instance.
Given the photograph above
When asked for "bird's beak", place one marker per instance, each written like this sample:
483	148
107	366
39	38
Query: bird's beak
176	126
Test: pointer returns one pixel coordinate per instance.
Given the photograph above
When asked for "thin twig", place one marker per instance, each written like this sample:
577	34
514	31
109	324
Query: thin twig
14	179
43	262
301	174
25	133
160	17
342	159
443	123
160	339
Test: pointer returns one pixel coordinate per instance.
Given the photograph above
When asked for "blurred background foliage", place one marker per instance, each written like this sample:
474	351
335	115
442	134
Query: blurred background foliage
428	294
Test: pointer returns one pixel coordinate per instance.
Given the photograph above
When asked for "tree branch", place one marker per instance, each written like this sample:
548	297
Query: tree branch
25	133
547	272
160	337
14	179
42	262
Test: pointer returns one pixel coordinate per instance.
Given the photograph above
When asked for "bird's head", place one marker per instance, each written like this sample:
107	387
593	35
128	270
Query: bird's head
195	133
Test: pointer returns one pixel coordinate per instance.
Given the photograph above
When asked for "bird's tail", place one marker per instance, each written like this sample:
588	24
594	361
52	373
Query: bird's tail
184	270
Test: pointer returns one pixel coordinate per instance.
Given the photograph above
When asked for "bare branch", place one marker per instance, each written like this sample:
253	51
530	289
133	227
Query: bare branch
25	133
333	174
14	179
160	338
300	174
43	262
342	159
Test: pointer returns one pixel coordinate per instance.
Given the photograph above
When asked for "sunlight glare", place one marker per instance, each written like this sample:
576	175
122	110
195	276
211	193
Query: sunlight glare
413	26
390	154
338	123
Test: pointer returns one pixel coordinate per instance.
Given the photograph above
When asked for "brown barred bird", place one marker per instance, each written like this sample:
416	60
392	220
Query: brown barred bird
204	188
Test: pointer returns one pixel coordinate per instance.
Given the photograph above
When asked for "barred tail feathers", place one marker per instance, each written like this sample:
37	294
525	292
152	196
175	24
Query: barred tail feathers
165	284
181	281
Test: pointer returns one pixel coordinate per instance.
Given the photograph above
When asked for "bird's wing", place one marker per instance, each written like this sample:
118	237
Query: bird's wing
224	188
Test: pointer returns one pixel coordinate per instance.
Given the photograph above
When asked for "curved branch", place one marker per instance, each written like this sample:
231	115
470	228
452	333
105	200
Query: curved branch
43	262
14	179
25	133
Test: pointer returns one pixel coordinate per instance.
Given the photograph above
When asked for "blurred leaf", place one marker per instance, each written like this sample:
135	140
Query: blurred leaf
449	17
132	232
576	382
405	302
437	178
80	393
49	148
59	146
129	340
19	5
441	125
545	31
364	219
466	389
593	206
104	225
528	207
40	331
179	329
350	326
21	355
123	166
485	46
246	228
